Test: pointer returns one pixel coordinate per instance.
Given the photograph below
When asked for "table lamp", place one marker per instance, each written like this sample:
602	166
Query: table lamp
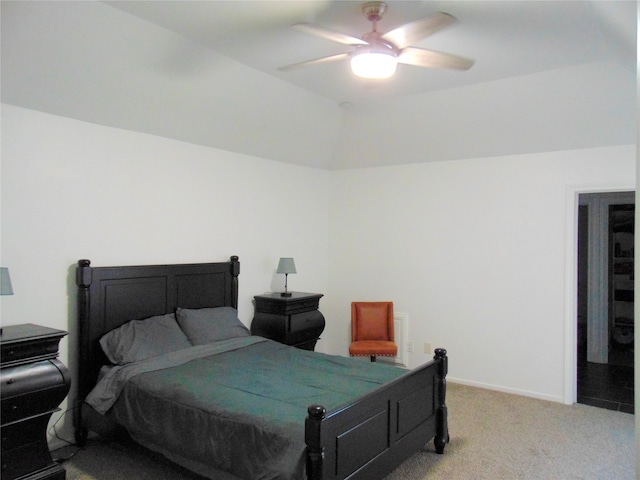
286	266
5	282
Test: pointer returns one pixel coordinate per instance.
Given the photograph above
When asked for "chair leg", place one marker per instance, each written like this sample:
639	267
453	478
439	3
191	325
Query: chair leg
373	358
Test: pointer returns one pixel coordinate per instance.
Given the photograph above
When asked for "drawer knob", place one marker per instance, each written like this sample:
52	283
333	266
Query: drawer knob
11	380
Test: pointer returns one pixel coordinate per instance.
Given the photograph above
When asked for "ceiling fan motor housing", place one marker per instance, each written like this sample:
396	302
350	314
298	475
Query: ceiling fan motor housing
377	44
373	11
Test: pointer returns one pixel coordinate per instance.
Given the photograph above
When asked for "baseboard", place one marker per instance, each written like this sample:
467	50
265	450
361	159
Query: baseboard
513	391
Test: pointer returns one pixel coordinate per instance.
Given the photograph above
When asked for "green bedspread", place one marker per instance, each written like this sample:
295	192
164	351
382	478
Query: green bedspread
242	410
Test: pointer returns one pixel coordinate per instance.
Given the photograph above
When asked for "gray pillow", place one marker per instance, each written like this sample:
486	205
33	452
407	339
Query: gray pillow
207	325
141	339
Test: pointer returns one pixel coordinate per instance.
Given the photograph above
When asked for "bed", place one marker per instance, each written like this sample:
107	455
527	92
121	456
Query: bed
354	420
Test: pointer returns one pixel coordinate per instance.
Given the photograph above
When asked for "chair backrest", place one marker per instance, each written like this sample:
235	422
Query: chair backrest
372	321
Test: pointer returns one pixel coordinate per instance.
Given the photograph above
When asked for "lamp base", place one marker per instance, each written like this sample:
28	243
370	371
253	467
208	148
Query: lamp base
285	294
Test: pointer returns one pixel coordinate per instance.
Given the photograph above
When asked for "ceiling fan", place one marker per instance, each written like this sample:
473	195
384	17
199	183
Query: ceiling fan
377	54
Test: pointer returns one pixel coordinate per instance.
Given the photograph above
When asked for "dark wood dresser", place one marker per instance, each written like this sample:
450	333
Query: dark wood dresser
293	320
33	384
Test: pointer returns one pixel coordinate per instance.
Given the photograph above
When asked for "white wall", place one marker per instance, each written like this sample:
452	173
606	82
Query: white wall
73	190
474	252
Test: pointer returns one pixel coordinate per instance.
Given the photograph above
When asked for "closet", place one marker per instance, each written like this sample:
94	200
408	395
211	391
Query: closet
621	261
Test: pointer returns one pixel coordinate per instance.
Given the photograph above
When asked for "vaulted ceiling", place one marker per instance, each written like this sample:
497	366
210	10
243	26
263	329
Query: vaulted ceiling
548	75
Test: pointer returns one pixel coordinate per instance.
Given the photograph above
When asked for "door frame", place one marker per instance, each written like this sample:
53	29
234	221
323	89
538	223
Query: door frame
573	193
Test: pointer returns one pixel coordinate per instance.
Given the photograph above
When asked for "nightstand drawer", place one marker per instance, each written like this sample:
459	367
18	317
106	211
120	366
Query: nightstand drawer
30	377
31	404
28	343
25	459
307	321
25	432
298	302
32	389
46	348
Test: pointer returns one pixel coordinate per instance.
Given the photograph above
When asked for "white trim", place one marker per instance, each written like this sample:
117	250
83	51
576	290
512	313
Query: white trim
571	299
514	391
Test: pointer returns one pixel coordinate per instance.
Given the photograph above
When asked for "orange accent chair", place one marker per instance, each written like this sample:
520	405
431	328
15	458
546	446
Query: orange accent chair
372	330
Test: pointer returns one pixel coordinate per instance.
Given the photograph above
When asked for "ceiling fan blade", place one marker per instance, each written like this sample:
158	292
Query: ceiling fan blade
421	57
329	34
332	58
415	31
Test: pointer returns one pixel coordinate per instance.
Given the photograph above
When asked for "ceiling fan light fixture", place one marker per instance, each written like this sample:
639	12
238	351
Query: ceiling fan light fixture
375	55
373	64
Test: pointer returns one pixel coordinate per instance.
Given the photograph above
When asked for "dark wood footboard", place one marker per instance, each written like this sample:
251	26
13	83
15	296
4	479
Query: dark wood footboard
367	439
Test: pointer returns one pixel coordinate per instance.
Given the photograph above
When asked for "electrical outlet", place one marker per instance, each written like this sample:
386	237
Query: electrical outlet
410	347
427	348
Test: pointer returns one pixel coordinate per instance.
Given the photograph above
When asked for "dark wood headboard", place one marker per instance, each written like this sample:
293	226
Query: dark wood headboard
111	296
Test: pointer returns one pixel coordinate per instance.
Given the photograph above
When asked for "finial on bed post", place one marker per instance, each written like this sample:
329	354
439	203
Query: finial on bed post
83	273
83	280
442	428
235	271
313	439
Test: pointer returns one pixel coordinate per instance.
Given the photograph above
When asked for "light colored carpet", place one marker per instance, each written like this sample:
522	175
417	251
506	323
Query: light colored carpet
500	436
493	436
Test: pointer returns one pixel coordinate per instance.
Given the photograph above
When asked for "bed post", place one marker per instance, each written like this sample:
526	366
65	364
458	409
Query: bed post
313	439
83	280
235	271
442	428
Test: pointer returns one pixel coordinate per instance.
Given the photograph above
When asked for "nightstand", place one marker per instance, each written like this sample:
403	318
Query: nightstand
293	320
33	384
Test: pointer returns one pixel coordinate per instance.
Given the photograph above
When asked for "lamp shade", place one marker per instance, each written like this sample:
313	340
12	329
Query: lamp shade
5	282
286	265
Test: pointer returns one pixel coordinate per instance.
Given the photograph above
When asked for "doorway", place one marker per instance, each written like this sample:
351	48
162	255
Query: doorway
605	323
